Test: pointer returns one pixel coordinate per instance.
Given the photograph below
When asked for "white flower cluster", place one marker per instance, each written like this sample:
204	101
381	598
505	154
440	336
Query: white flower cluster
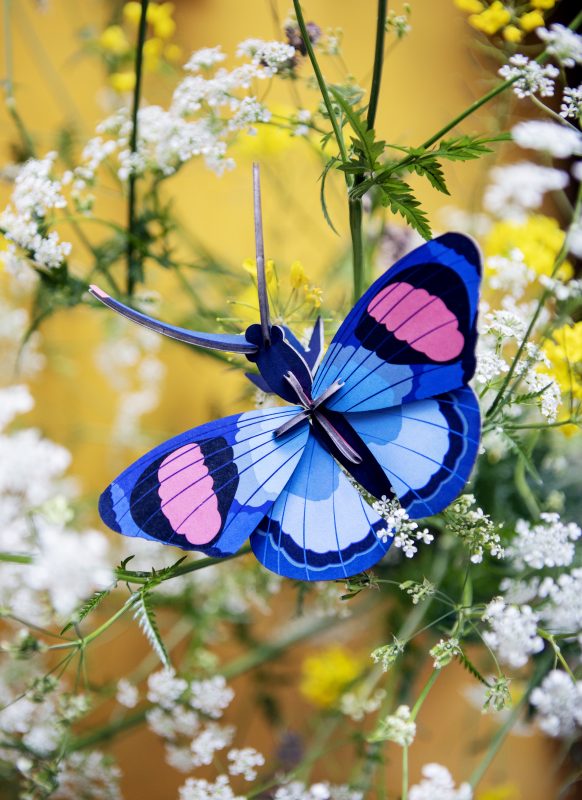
550	543
438	784
444	651
571	106
387	654
513	635
558	704
200	789
518	188
273	56
398	524
184	715
562	612
24	221
529	76
359	702
399	728
474	528
564	44
297	790
557	140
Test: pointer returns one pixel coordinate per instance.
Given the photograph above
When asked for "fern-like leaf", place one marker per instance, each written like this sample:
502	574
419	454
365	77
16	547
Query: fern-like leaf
471	668
87	607
146	618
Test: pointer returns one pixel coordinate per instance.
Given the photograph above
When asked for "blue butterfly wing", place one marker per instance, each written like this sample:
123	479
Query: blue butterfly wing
319	528
426	448
207	489
412	334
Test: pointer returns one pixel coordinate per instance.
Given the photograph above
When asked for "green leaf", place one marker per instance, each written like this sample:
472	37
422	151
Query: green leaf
87	607
323	178
432	170
145	616
365	145
470	667
399	198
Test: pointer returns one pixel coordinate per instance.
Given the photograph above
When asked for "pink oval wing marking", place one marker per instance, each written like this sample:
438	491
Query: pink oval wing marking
420	319
187	494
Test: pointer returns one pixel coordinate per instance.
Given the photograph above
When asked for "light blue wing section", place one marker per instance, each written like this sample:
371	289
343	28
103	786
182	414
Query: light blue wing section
426	448
320	528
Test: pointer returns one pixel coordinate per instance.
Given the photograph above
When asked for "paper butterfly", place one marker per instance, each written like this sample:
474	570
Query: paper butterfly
389	403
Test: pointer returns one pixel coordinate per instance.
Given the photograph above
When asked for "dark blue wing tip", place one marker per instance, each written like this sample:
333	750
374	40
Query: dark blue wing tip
106	511
464	245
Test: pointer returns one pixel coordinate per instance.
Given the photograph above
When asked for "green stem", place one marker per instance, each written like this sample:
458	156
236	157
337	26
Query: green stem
405	772
378	63
424	693
505	730
130	576
81	643
557	652
320	80
355	213
133	268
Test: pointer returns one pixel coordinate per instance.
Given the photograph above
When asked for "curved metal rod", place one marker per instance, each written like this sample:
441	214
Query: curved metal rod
260	253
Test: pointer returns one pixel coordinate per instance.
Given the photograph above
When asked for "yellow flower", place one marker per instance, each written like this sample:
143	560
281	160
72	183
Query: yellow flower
506	791
327	675
173	52
152	51
160	17
132	12
470	6
114	40
564	351
314	296
539	238
543	4
122	81
492	19
250	265
512	34
298	277
532	20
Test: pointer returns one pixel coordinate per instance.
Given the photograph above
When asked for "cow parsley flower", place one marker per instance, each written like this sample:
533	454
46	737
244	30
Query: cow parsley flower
399	525
387	654
497	695
444	651
557	140
200	789
563	611
211	739
438	784
558	704
530	77
399	728
550	543
127	694
513	635
571	106
518	187
474	528
562	43
276	57
210	696
244	762
165	688
205	58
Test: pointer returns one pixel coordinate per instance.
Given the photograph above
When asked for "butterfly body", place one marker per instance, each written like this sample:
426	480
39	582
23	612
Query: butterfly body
389	404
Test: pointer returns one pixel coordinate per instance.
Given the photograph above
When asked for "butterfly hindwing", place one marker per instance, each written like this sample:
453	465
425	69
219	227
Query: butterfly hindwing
320	528
412	334
426	448
207	489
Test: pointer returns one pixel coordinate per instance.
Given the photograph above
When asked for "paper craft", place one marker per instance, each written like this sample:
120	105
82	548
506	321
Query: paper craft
389	403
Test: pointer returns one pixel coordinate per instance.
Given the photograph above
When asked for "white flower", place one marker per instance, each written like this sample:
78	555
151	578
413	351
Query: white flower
550	543
165	688
200	789
562	43
91	774
397	727
557	140
532	78
205	58
248	112
387	654
438	784
244	762
520	187
558	704
211	739
398	522
513	635
274	56
210	696
127	694
14	400
358	703
571	106
563	612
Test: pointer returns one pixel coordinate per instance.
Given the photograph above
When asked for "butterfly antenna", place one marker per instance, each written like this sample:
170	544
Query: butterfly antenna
260	252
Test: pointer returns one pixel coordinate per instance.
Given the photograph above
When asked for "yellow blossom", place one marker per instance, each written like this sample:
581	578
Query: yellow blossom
173	52
543	4
132	12
512	34
564	351
250	265
492	19
327	675
538	237
470	6
532	20
152	51
114	40
122	81
314	296
160	17
298	277
505	791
